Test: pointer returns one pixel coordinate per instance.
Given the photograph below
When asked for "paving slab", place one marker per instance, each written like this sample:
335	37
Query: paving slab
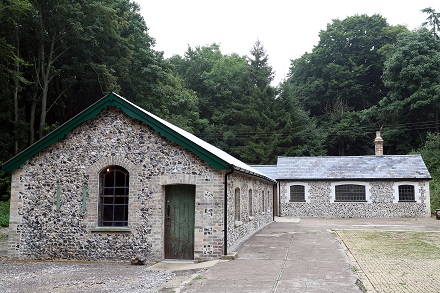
283	257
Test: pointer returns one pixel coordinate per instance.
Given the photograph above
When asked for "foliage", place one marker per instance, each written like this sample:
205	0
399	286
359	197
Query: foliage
433	21
5	186
411	76
341	77
4	213
243	112
58	57
430	152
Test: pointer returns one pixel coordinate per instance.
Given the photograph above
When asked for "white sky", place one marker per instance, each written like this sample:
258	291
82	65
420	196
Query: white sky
287	29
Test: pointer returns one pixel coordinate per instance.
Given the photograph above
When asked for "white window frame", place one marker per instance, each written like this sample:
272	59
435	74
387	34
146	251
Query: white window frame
416	190
367	186
306	192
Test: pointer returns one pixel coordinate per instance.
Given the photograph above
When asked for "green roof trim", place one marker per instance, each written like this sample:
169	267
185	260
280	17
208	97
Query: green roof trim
131	110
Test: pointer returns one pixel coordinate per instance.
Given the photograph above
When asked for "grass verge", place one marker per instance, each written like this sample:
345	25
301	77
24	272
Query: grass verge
4	213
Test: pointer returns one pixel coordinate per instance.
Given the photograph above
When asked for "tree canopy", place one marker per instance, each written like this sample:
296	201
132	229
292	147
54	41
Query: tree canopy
58	57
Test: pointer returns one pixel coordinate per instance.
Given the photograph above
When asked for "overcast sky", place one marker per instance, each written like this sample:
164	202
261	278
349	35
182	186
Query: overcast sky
287	29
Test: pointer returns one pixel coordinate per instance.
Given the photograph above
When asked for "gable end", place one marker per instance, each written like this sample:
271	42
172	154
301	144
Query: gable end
131	110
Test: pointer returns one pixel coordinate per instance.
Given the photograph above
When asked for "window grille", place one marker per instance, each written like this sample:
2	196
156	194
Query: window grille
113	196
237	204
251	212
297	193
350	192
406	193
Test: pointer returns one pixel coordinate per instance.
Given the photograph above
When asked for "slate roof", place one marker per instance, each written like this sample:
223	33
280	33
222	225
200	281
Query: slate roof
212	155
399	167
268	170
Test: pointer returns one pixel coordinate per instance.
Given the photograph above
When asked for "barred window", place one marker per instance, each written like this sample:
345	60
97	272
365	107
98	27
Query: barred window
297	193
350	192
251	212
406	193
113	197
237	204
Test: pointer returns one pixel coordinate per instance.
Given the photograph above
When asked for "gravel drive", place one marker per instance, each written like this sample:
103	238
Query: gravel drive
80	277
69	276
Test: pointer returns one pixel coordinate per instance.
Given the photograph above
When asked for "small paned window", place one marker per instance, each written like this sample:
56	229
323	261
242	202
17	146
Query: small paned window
237	204
406	193
113	197
297	193
262	201
350	192
251	212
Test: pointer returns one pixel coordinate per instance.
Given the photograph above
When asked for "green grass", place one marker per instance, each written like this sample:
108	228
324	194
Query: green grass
4	213
198	278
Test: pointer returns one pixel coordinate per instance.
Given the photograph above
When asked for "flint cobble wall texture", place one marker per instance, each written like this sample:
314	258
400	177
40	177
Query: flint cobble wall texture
55	194
254	214
382	201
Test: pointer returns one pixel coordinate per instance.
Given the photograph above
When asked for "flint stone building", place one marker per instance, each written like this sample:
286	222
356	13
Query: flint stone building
116	182
352	186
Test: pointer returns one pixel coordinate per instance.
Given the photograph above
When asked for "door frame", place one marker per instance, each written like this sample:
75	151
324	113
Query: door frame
191	226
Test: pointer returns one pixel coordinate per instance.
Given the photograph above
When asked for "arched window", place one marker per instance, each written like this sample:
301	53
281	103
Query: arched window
297	193
406	193
251	212
262	201
237	204
113	197
350	192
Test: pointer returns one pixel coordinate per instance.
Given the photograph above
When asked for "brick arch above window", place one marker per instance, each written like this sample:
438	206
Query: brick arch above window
92	183
116	160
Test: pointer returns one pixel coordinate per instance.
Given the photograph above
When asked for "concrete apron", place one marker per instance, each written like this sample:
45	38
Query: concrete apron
283	257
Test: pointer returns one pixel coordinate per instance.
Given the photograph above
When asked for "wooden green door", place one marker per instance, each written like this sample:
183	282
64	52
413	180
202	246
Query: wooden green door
179	221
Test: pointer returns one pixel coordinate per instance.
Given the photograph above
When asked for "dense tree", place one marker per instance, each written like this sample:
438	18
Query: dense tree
430	152
244	115
11	74
413	81
342	76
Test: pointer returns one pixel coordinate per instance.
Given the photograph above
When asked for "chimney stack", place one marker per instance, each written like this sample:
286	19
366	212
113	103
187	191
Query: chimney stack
378	144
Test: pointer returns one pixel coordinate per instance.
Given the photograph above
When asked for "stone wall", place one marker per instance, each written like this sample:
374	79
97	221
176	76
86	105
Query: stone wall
55	194
249	222
382	201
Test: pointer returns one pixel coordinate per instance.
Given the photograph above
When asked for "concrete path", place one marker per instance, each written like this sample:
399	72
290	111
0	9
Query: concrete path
302	255
283	257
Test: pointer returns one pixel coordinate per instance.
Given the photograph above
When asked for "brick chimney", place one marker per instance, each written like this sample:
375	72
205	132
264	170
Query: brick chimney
378	144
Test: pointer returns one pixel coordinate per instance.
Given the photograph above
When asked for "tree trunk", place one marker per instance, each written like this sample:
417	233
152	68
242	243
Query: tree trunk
45	68
32	119
16	89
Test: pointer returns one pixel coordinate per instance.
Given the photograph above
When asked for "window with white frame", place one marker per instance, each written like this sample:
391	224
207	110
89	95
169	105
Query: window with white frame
407	193
297	193
350	193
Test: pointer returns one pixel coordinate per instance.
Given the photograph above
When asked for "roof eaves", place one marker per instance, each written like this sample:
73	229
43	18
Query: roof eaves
244	171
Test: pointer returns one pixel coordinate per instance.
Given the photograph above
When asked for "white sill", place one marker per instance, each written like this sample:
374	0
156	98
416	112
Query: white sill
110	229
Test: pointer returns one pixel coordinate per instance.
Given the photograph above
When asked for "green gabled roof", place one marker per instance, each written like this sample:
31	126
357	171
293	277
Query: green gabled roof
213	156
